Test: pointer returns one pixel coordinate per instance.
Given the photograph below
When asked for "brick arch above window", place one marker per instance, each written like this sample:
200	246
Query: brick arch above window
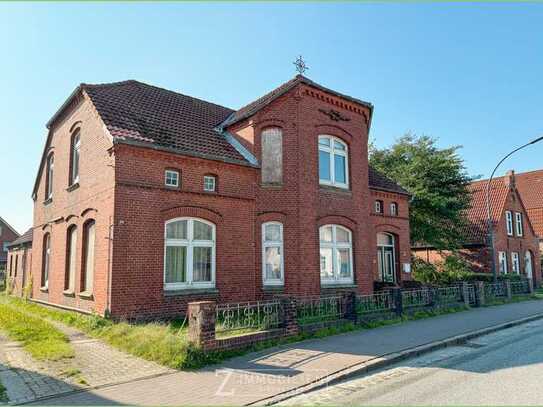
192	212
335	131
264	217
75	126
337	220
385	228
267	123
69	218
87	211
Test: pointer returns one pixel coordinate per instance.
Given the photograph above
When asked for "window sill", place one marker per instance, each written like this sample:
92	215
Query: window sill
272	185
86	295
338	190
172	187
44	289
73	187
328	286
189	291
273	287
68	293
48	201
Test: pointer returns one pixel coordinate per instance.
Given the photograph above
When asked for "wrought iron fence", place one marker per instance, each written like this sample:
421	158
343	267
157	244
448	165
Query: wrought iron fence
472	294
317	309
249	316
495	290
449	295
520	287
379	302
416	298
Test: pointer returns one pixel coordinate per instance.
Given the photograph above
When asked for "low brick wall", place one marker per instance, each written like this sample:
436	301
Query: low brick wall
245	340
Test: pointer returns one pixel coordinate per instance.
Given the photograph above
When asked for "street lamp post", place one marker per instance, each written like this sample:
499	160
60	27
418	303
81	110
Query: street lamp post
488	215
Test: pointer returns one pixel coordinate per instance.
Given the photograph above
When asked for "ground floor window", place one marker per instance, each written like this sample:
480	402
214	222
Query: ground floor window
46	258
502	256
336	257
87	277
189	258
386	257
515	262
272	253
528	267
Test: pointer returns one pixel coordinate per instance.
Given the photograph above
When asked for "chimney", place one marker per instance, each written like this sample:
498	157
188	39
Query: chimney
510	179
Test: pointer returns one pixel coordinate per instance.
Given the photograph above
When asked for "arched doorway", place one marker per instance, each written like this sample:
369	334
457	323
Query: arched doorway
386	257
528	265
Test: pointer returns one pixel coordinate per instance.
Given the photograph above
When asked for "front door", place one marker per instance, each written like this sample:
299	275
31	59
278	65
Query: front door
386	263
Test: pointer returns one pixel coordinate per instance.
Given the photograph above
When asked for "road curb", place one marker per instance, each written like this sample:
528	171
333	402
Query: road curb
389	359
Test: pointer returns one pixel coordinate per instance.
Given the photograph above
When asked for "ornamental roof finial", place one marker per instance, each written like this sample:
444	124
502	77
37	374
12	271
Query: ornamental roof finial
300	65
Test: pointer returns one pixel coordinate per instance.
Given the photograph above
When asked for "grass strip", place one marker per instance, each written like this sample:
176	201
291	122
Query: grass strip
40	338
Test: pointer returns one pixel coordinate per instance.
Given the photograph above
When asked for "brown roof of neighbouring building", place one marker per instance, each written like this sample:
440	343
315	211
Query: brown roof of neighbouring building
377	180
25	238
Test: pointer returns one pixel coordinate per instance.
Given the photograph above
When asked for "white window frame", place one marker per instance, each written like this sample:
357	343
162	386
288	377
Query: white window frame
266	244
393	209
49	176
46	266
378	207
171	174
515	262
76	153
519	225
333	152
190	244
208	178
381	260
509	223
334	245
502	261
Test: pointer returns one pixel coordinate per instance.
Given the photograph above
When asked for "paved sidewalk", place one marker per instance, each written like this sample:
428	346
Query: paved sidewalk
257	376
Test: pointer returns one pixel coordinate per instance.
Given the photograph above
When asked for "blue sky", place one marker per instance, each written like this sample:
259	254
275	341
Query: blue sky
466	74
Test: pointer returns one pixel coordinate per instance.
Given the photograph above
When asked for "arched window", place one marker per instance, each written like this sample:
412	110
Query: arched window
528	265
272	253
16	265
74	157
378	206
49	177
89	240
46	260
189	254
386	257
394	209
333	162
336	254
272	155
71	253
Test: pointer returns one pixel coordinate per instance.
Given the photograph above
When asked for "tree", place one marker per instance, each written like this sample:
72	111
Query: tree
437	180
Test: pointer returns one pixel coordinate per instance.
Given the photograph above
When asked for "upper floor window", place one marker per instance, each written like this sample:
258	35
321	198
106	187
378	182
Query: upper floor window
272	253
189	258
333	162
378	206
46	259
89	239
509	222
336	259
272	156
210	183
502	257
74	155
394	209
171	178
49	177
518	221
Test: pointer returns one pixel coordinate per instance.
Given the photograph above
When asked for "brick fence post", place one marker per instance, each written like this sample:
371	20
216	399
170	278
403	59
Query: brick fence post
530	286
508	292
350	305
397	299
465	293
202	324
290	317
480	289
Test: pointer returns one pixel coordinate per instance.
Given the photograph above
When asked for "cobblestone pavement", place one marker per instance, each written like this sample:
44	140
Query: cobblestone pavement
477	372
95	364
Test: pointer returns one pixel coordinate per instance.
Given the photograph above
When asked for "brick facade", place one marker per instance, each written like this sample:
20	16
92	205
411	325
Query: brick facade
7	235
122	189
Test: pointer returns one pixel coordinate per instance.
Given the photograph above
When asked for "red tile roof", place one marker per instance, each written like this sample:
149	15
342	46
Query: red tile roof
25	238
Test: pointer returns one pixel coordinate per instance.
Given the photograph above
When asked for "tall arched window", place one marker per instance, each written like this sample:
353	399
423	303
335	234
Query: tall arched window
272	253
333	162
89	240
46	260
272	155
49	176
71	253
74	156
528	265
336	254
189	254
386	257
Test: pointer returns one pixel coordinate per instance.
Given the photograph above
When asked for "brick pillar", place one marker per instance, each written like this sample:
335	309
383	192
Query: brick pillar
202	323
397	299
530	286
465	293
480	290
290	321
508	292
349	299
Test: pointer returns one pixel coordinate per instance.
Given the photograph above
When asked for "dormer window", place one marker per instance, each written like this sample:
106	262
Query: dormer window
333	162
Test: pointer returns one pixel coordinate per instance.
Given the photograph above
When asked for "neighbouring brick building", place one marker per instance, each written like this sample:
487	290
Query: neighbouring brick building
7	235
515	241
20	263
147	199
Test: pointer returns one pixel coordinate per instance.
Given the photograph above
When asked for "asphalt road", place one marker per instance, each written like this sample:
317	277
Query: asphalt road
503	368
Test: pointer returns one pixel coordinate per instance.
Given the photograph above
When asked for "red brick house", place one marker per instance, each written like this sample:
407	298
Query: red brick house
20	263
7	235
515	241
147	199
